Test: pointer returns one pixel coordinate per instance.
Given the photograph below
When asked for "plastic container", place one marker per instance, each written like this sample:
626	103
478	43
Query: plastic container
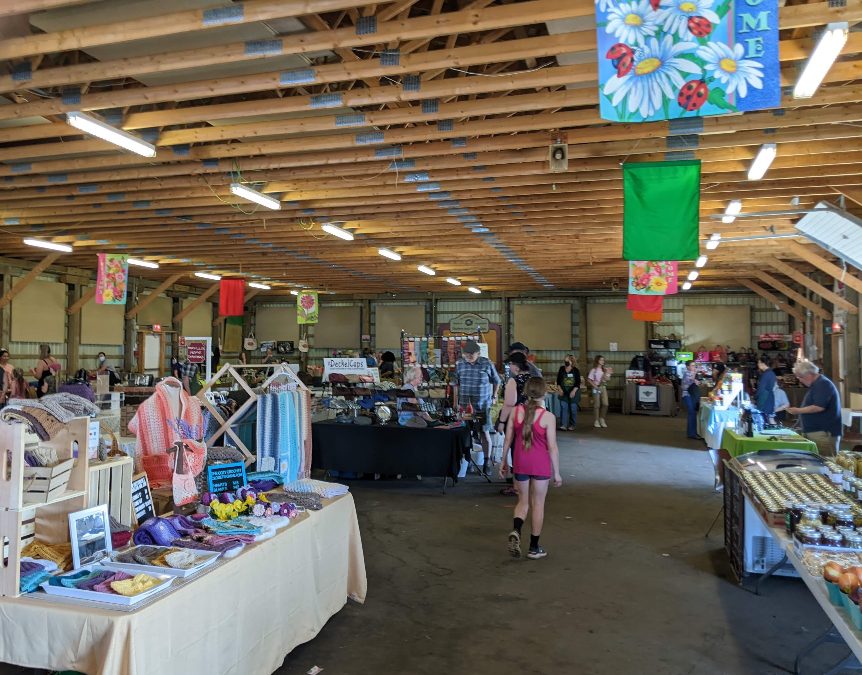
856	616
835	594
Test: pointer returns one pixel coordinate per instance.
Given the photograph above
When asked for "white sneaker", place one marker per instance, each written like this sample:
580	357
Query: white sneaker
604	424
597	424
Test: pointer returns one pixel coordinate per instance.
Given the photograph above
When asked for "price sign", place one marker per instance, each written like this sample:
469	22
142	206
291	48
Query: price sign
142	499
226	477
197	351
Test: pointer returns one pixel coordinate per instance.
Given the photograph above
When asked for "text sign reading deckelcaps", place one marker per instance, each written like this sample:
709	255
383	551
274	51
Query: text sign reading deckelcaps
226	477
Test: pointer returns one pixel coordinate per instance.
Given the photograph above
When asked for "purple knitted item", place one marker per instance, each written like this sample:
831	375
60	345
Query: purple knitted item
89	584
155	532
185	526
105	586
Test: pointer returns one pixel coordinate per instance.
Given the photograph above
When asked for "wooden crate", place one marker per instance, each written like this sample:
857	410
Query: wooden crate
46	483
14	438
111	484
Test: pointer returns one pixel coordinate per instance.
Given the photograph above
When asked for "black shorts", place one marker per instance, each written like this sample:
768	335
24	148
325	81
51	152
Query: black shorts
521	477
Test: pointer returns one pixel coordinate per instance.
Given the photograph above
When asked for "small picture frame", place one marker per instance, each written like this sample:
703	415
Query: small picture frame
90	535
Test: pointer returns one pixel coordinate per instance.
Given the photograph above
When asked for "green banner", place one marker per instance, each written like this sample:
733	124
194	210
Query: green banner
661	210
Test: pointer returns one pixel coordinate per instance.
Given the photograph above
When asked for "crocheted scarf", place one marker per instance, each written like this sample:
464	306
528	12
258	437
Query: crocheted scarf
155	425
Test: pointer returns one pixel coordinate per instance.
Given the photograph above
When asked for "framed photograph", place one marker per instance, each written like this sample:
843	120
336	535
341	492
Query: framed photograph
90	534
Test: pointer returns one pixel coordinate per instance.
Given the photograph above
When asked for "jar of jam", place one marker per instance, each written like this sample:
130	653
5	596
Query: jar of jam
808	535
841	517
853	540
832	539
810	518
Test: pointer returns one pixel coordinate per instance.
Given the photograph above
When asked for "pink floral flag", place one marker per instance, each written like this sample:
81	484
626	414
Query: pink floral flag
307	307
653	277
112	278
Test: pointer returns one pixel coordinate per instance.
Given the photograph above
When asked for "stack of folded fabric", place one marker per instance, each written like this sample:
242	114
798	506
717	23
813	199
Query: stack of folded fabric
184	532
34	573
59	554
159	556
318	487
101	580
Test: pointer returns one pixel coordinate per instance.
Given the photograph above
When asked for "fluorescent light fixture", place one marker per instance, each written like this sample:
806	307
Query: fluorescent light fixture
762	161
473	289
96	127
831	43
453	281
207	275
294	292
426	270
263	287
701	261
336	231
255	196
143	263
388	253
686	285
693	275
713	242
41	243
732	211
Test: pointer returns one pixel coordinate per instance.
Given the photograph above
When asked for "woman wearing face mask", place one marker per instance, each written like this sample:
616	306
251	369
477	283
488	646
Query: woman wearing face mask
106	368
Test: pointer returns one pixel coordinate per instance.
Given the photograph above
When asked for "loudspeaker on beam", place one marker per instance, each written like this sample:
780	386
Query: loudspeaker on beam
558	157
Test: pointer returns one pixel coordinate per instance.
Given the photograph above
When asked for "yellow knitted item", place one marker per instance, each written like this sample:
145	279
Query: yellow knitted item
57	553
134	586
160	560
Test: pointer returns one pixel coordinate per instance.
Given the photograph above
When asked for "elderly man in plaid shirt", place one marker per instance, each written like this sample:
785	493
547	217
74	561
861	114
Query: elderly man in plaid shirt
476	383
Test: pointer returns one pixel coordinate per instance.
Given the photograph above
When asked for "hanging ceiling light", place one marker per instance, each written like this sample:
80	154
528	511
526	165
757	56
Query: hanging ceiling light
686	285
143	263
426	270
732	211
762	161
453	281
693	275
473	289
262	287
106	132
255	196
207	275
294	292
713	242
41	243
388	253
831	43
336	231
701	261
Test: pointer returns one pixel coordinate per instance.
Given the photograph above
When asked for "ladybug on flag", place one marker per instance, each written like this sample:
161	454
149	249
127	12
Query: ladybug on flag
699	26
622	57
692	95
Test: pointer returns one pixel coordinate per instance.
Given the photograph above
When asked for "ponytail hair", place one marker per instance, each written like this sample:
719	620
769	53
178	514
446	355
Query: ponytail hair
534	391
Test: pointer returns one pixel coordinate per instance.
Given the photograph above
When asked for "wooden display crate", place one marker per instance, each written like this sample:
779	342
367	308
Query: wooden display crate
43	484
111	484
15	438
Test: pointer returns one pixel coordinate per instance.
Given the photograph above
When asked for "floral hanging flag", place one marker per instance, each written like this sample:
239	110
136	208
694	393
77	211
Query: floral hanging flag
656	277
307	307
112	276
667	59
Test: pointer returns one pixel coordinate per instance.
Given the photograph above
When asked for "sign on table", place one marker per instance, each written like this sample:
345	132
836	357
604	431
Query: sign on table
142	499
226	477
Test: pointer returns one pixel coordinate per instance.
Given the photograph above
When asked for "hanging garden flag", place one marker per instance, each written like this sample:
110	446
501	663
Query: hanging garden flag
645	303
231	297
647	316
306	307
661	208
112	276
656	277
667	59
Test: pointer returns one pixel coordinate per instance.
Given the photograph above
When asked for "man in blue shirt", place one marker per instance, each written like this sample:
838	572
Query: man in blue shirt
476	383
820	411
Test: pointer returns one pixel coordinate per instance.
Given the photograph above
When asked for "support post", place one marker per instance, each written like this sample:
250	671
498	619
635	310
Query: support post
78	305
167	283
40	267
73	328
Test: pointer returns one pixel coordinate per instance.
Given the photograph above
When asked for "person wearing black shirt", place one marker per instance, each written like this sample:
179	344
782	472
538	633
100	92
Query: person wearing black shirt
569	380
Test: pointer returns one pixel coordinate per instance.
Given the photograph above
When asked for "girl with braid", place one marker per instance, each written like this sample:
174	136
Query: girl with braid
531	431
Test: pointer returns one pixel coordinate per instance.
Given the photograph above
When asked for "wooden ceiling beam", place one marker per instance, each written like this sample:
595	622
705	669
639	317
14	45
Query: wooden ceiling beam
812	285
798	298
194	304
174	23
808	254
149	299
773	299
13	7
28	278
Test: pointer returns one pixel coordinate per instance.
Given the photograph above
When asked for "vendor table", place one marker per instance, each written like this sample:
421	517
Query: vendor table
389	449
244	616
712	422
736	444
666	400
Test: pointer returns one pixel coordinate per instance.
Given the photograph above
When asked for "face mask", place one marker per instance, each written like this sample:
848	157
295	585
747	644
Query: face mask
101	359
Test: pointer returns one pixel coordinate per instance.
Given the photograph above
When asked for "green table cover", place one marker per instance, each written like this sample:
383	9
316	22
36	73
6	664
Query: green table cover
737	444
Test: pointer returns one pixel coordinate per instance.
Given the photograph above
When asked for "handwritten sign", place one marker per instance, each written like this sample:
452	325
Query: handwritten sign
226	477
142	499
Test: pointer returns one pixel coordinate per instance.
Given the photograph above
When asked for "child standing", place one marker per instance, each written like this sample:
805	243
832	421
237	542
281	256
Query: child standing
535	457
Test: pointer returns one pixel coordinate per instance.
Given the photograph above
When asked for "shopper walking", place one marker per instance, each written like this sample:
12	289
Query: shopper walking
46	372
476	384
598	379
820	412
535	459
569	381
690	397
521	348
764	396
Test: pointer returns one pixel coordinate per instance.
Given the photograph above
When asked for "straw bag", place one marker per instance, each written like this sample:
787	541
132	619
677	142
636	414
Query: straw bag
250	343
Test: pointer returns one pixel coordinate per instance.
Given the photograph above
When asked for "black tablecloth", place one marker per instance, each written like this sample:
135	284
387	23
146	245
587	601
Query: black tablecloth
388	449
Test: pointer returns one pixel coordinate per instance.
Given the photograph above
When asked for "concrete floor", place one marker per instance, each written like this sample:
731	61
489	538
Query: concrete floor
630	584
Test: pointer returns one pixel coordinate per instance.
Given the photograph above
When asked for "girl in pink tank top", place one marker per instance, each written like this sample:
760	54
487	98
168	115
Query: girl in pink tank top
532	433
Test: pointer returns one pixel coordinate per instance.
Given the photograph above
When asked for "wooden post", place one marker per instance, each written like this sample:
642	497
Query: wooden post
25	281
73	328
5	312
78	305
194	304
129	337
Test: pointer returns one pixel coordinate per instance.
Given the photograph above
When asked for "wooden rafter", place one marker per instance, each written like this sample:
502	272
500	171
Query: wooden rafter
812	285
775	300
149	299
194	304
797	297
28	278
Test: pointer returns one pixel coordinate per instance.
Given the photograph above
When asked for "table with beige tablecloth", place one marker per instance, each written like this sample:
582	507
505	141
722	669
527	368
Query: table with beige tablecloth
243	617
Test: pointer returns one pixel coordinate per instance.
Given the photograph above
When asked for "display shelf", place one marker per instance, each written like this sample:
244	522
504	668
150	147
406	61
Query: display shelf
68	494
111	483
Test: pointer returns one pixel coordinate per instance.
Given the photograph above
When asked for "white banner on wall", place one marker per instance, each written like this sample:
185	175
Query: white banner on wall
348	366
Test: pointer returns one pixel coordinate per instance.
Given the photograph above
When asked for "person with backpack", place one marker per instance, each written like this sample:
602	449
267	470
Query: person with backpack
532	432
46	372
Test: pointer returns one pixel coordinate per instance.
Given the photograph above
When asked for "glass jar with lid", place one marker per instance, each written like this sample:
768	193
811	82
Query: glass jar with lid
853	540
832	539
